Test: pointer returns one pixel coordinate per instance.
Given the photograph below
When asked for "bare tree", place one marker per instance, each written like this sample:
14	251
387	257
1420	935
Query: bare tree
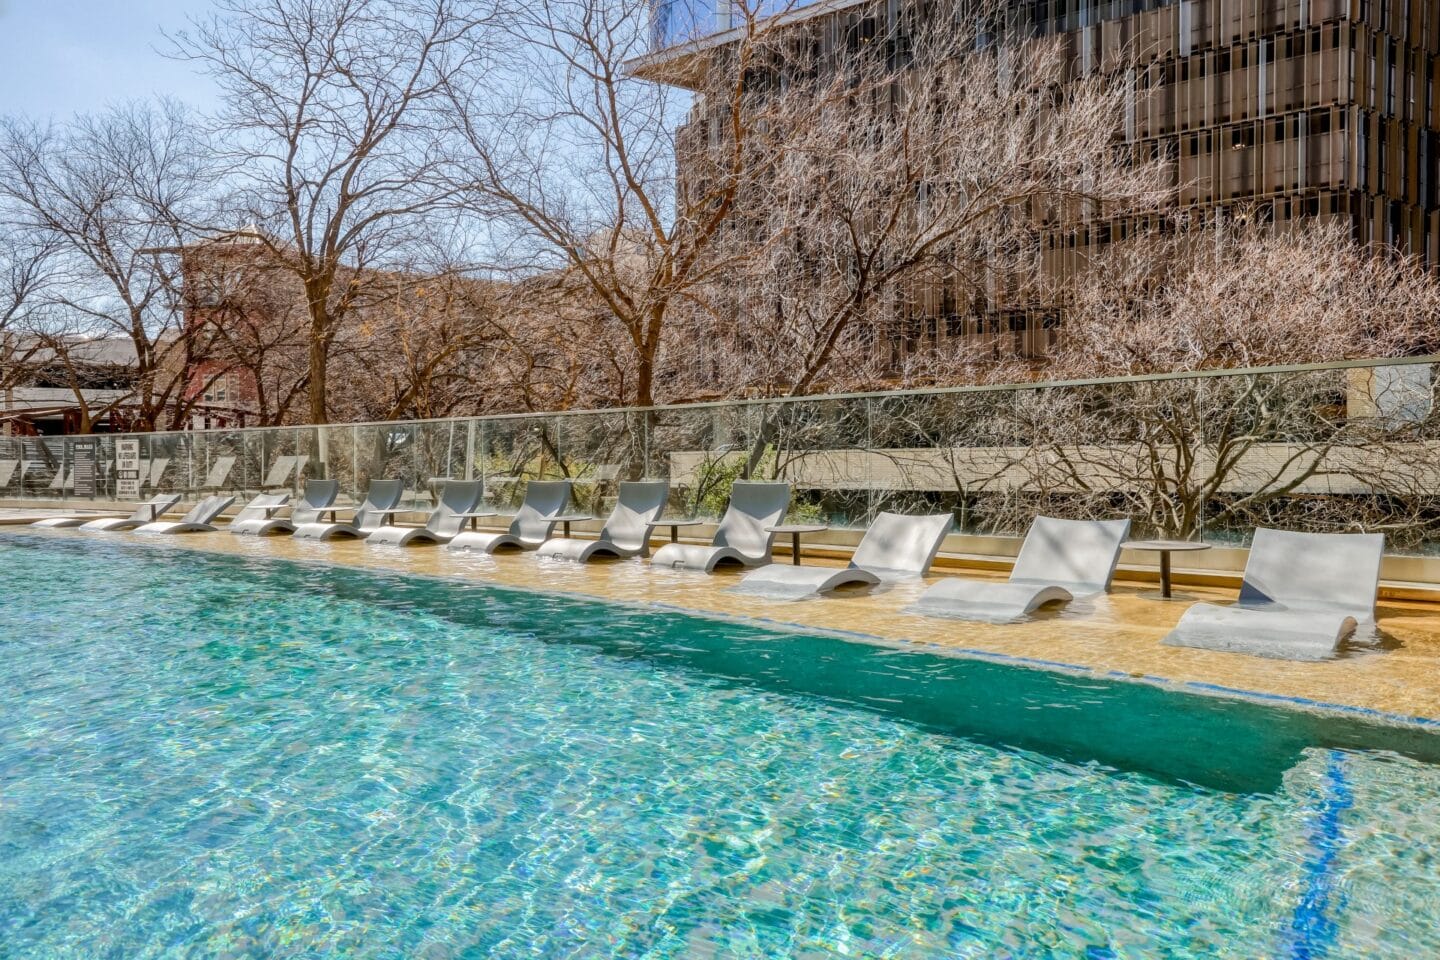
929	157
27	265
104	193
579	159
331	123
423	349
1185	453
1240	294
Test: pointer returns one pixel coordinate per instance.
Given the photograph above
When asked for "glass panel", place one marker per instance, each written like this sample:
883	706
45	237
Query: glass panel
12	454
334	459
821	448
703	451
597	451
958	452
165	464
517	449
1335	449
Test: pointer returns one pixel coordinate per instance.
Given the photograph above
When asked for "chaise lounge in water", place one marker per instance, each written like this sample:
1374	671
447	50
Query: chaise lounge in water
544	502
200	519
1059	560
261	507
896	547
381	500
147	512
458	499
76	521
318	496
626	533
1302	595
741	537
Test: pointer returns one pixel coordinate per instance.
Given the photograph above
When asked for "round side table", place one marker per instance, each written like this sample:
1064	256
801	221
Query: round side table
1165	548
795	530
675	526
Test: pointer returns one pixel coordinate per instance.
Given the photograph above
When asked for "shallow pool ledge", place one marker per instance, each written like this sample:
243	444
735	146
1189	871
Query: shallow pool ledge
1116	636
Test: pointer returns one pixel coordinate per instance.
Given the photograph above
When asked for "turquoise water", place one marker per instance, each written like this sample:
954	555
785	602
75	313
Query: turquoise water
217	757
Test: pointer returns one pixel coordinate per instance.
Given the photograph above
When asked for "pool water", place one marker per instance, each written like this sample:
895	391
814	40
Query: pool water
226	757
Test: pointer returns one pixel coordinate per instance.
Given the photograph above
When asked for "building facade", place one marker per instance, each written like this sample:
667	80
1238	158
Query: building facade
1279	110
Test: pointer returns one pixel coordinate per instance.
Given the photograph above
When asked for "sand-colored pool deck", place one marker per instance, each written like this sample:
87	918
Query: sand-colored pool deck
1116	634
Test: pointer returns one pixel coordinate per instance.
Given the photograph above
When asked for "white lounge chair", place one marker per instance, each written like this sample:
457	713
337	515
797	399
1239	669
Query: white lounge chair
896	547
381	500
7	471
318	496
147	512
260	508
544	501
1059	560
626	533
81	520
62	480
69	521
200	519
1302	595
741	536
458	498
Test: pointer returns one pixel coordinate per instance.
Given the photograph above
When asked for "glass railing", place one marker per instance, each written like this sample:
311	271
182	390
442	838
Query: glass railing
1342	447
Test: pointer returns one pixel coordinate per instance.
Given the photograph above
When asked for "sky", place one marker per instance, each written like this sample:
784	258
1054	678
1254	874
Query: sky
61	57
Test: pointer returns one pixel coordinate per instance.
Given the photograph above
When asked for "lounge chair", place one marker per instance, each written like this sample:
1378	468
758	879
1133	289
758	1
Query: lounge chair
458	498
71	521
1302	595
82	519
1059	560
626	533
544	501
62	480
7	471
147	512
318	496
380	502
200	519
896	547
741	536
261	508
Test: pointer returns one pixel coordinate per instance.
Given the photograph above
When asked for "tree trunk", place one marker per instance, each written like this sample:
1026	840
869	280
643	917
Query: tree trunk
319	359
645	379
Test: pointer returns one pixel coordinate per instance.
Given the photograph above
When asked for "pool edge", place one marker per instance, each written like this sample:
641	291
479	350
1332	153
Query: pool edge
901	644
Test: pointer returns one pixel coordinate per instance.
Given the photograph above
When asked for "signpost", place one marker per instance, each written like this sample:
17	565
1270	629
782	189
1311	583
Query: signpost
127	469
83	455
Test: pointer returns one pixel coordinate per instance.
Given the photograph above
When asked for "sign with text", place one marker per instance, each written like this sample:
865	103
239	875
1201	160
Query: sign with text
127	469
83	457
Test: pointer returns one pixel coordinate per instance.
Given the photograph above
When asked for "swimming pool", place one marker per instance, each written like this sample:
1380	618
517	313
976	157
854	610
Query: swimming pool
204	755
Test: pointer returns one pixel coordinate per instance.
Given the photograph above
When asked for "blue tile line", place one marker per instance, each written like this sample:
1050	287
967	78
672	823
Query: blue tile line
1316	921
